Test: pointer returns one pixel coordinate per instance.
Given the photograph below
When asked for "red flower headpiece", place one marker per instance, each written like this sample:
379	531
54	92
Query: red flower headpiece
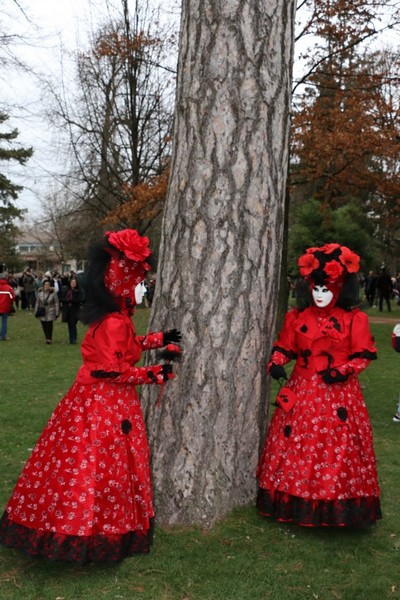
128	266
329	263
307	263
130	243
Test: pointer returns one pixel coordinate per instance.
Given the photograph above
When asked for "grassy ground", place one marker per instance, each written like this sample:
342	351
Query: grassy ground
242	558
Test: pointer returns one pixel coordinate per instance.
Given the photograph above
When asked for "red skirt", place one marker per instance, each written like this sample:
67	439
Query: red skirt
85	492
318	465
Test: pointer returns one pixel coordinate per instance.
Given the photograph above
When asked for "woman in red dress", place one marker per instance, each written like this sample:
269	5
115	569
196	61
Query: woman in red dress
85	493
318	465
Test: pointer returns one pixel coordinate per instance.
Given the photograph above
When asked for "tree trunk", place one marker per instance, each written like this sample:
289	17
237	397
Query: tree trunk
220	254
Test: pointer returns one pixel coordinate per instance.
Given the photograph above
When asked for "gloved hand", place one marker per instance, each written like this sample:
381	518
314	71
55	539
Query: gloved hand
277	372
172	335
166	371
170	352
333	376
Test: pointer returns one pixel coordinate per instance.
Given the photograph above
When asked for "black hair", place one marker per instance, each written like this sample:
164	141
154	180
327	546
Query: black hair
98	300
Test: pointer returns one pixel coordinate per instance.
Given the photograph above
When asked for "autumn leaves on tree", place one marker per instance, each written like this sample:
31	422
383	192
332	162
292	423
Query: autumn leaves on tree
345	126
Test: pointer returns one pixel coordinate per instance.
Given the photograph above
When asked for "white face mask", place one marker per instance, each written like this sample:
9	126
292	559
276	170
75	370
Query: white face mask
321	296
140	291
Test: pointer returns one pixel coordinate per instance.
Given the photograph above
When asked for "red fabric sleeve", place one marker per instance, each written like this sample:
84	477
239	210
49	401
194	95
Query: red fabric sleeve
284	349
362	345
110	350
151	340
142	375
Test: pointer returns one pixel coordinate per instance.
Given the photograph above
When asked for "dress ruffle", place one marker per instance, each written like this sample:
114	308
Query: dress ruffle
353	512
74	548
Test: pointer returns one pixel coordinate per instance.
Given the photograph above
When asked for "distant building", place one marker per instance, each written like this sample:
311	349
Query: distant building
41	255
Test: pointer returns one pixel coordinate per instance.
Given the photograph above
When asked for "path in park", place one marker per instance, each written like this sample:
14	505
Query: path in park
392	320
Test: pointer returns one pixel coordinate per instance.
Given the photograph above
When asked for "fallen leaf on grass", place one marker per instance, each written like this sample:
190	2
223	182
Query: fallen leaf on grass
226	542
9	575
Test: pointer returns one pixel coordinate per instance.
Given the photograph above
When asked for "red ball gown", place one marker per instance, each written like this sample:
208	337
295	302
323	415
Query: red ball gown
85	492
318	465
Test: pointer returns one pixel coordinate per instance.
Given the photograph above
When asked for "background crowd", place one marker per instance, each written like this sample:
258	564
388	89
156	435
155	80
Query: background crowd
49	295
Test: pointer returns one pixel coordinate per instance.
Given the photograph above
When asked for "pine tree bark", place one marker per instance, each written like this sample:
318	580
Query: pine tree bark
220	252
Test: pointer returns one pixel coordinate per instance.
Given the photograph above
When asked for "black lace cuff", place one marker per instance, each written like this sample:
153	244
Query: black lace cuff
105	374
289	353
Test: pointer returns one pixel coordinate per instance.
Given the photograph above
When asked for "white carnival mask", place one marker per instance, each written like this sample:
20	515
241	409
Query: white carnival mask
140	291
321	296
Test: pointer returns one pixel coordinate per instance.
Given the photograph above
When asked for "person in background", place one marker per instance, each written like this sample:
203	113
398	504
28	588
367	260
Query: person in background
22	291
150	289
71	301
396	346
39	281
47	309
318	467
370	288
384	286
13	282
28	282
7	297
54	282
85	493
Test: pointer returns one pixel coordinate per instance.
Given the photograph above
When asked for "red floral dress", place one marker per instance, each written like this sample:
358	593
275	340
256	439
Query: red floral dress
318	465
85	492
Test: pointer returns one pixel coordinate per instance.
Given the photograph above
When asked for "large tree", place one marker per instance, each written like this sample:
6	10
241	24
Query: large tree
220	253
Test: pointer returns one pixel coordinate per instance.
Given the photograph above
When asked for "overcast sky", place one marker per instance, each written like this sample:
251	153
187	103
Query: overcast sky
50	30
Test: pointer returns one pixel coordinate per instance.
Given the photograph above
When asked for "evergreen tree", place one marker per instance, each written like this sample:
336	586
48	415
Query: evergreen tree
9	191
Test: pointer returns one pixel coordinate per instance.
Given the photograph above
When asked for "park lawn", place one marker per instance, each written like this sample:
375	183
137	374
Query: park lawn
243	557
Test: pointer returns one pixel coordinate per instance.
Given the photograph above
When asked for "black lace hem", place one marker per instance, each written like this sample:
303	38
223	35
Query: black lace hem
364	354
351	512
74	548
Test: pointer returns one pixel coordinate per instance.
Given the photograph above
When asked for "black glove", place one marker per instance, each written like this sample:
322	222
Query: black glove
172	335
333	376
277	371
166	370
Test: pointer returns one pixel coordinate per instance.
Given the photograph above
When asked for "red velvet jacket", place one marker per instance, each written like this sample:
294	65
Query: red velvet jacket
341	340
111	348
7	296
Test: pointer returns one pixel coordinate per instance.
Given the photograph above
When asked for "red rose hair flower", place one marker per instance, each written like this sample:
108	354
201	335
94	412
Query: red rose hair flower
329	248
334	270
350	260
130	243
307	263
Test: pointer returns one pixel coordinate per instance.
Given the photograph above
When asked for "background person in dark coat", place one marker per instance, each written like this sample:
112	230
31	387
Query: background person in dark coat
384	286
370	287
71	300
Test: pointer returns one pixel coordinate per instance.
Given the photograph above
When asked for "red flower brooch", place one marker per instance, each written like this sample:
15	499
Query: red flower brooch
130	243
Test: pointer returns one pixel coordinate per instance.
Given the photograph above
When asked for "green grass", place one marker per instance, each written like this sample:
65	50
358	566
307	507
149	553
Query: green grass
242	558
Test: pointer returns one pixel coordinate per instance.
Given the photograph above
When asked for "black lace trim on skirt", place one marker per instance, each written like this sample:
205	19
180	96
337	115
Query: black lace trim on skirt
74	548
319	513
